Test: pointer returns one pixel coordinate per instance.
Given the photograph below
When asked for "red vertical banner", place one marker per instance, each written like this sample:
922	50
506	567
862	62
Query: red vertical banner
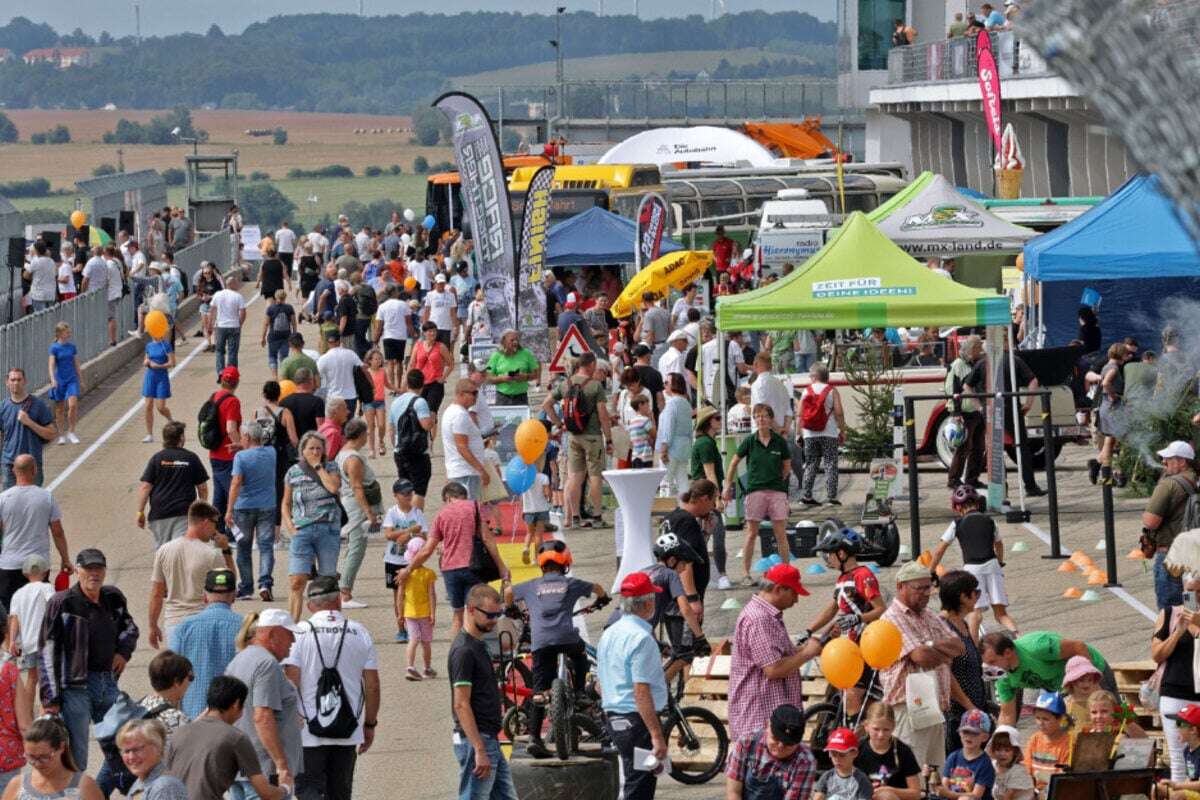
989	86
652	218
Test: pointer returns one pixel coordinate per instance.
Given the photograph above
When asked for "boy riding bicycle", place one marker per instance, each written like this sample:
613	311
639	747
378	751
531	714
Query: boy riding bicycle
550	603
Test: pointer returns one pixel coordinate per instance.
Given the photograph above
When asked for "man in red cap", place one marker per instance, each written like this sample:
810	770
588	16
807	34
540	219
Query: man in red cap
629	668
229	421
764	671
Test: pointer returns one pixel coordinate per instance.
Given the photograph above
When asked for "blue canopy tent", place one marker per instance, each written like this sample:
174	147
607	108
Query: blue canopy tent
1131	249
596	238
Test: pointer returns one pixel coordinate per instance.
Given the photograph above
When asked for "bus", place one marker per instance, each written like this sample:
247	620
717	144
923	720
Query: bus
443	199
576	188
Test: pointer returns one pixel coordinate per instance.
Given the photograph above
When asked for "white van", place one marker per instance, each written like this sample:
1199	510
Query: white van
792	227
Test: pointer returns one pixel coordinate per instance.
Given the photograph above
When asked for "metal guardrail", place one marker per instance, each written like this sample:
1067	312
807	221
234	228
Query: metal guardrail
215	247
954	60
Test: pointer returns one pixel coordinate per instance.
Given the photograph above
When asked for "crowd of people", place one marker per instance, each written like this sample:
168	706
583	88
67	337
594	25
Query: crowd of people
265	704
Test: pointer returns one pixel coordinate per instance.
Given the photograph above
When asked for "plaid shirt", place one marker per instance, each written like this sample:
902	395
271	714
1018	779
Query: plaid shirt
915	629
208	640
750	758
759	639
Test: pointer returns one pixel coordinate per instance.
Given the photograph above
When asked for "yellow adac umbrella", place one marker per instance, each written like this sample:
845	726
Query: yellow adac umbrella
676	270
97	237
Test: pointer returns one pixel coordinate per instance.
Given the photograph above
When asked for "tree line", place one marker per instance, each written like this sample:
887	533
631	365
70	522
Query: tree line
332	62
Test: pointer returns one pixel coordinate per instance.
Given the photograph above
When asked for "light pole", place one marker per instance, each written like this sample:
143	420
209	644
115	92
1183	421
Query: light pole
556	43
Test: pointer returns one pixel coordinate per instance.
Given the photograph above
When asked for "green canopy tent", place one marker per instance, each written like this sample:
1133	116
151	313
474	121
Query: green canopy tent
860	279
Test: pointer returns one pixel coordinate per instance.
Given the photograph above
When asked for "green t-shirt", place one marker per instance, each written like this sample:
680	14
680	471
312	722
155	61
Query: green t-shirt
593	396
287	370
781	344
705	451
1169	501
764	463
1041	665
520	361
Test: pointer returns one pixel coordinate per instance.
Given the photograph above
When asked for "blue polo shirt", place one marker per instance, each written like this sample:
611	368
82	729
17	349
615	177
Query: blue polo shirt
18	439
628	654
257	468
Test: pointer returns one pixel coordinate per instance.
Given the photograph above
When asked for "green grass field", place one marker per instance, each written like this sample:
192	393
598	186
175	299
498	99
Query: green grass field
619	67
331	193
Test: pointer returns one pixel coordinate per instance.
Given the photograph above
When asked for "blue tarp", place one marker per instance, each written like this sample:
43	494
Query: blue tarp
1131	249
1135	233
594	238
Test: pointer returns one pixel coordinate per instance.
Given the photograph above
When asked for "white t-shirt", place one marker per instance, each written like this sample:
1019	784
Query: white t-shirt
362	243
458	420
138	264
483	412
337	372
116	280
229	305
672	360
320	243
395	518
423	272
285	240
96	273
42	278
66	278
29	607
394	314
710	356
679	313
440	305
358	654
771	390
534	500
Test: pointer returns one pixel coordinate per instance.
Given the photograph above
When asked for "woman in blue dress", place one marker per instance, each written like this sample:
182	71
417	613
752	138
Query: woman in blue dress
156	385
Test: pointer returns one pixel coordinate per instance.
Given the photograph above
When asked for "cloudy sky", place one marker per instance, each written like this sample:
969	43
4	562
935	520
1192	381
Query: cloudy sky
161	17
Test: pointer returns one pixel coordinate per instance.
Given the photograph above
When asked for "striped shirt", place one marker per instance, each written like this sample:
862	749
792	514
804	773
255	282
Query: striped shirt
916	628
640	446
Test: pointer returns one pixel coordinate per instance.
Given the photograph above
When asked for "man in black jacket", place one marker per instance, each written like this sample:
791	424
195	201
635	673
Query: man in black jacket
88	637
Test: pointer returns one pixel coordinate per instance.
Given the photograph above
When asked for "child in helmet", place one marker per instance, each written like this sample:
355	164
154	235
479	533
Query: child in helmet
550	601
982	553
856	602
1049	748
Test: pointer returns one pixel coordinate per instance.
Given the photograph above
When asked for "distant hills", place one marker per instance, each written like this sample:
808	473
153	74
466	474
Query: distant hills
344	63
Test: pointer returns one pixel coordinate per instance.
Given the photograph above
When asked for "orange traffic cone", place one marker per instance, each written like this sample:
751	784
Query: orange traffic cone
1136	554
1072	594
1068	566
1097	578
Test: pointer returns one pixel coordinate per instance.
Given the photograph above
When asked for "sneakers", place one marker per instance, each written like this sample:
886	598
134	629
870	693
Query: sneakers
72	438
62	440
265	595
247	595
411	674
537	749
430	672
809	501
833	501
353	604
723	583
148	439
401	637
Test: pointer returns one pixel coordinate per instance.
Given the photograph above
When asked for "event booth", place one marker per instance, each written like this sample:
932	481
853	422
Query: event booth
1128	255
596	238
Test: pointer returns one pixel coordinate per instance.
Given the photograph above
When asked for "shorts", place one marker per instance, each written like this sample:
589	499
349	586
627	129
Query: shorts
393	349
373	404
585	452
156	384
204	307
64	390
113	307
28	660
389	574
419	630
532	517
991	584
766	505
458	583
417	469
319	542
167	528
680	637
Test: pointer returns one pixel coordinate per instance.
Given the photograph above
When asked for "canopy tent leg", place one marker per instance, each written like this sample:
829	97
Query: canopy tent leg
1016	408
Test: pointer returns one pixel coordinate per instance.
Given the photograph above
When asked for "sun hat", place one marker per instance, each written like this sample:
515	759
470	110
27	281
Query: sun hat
414	546
1079	667
703	416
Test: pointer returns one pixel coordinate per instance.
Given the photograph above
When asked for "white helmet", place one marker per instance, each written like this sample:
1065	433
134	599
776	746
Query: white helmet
954	434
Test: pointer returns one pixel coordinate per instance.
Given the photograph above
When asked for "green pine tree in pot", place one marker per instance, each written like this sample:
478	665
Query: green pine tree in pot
873	381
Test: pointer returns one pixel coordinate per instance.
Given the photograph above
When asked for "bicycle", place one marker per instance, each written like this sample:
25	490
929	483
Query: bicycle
697	740
822	718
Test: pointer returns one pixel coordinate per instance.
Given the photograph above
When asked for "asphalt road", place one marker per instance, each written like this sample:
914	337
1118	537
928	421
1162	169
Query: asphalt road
96	485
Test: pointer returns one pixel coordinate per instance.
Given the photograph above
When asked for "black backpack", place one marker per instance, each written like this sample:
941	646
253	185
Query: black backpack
365	300
282	321
334	718
208	429
122	711
412	441
364	387
575	412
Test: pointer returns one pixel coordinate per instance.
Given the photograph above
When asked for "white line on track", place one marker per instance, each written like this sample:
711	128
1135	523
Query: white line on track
1125	597
128	415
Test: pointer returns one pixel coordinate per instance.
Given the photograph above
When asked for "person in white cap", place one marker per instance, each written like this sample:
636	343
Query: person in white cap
676	353
1012	779
271	718
1165	515
440	308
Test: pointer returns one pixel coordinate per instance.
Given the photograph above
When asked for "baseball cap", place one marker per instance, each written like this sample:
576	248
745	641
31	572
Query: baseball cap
1189	715
637	584
640	350
439	278
572	300
1178	449
320	585
90	557
34	562
841	740
402	486
787	724
230	375
786	575
277	618
912	571
220	581
975	721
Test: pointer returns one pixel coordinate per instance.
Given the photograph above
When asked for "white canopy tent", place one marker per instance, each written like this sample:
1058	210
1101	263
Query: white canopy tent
705	144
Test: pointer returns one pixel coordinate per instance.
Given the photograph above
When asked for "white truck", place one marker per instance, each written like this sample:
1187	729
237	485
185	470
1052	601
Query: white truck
792	227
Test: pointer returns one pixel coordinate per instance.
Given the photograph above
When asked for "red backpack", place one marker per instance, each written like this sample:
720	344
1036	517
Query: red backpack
813	414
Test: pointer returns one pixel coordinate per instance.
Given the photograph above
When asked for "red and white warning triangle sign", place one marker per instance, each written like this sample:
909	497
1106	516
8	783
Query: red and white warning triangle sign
571	346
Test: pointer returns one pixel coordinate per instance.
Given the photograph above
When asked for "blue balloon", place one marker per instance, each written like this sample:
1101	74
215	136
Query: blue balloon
428	222
518	475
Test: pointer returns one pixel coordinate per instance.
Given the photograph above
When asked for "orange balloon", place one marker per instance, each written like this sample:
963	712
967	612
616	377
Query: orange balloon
410	283
156	324
530	439
286	387
880	644
78	219
841	663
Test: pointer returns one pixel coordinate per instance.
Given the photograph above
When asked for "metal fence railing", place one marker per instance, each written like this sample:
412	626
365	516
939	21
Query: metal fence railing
215	247
954	60
25	343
